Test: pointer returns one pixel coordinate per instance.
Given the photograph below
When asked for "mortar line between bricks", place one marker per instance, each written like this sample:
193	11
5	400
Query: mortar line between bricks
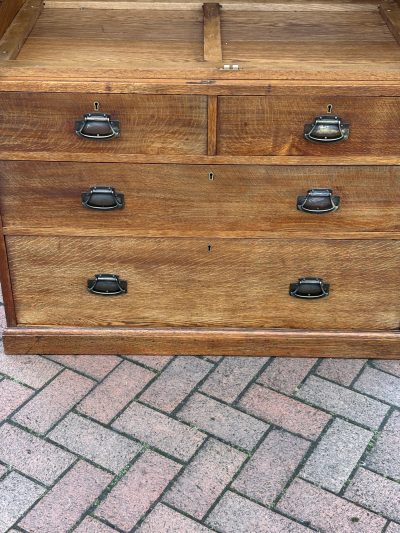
361	393
7	377
136	397
371	365
48	489
368	449
143	365
196	388
65	449
11	468
252	381
343	497
80	372
318	408
358	375
385	527
305	458
187	515
39	389
385	476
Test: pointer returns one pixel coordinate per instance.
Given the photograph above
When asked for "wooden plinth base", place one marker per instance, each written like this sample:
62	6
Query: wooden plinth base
72	341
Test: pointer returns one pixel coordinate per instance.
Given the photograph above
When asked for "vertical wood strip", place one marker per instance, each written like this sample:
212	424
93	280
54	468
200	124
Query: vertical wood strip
212	33
390	13
20	28
8	10
5	280
212	125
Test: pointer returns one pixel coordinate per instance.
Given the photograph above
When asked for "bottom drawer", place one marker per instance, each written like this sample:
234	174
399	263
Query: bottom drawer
221	283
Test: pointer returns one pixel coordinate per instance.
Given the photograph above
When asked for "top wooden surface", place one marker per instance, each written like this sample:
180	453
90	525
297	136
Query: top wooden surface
321	40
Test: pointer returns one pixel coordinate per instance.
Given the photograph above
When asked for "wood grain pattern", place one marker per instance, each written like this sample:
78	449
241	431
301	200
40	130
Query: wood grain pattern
206	283
19	29
5	281
390	12
212	32
282	343
8	10
181	200
258	125
212	125
149	124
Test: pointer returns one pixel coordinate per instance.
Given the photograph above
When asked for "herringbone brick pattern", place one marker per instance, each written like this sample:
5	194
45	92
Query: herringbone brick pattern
199	444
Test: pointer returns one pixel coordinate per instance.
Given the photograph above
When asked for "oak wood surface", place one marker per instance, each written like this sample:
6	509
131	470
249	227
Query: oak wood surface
19	30
149	124
206	282
285	343
8	10
198	201
212	32
263	125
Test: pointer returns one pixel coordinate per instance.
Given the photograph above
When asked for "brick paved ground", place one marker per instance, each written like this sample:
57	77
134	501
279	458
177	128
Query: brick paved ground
193	445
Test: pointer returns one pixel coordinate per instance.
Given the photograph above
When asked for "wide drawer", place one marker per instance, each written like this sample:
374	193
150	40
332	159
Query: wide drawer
137	124
275	125
202	283
197	200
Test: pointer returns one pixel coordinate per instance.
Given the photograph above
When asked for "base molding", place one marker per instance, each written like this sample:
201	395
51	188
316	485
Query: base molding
121	341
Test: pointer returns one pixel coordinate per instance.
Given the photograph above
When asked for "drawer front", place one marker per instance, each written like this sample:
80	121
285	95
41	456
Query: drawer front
201	283
197	200
147	124
269	125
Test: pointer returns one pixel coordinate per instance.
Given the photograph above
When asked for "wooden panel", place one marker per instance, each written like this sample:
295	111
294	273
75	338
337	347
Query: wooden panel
182	200
212	32
149	124
19	29
390	12
8	10
201	342
206	283
258	125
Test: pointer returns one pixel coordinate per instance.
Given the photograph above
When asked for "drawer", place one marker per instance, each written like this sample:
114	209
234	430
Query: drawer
197	200
147	124
272	125
202	283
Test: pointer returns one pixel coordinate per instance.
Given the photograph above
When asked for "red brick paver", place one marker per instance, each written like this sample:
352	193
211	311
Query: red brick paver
285	412
60	508
47	407
327	512
112	395
141	486
198	445
31	455
205	478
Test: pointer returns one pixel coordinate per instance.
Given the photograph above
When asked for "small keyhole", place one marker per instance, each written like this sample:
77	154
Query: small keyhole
96	106
211	176
329	108
209	248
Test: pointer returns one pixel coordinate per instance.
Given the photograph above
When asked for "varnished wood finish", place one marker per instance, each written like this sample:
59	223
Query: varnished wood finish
212	33
390	12
211	162
206	283
198	201
264	125
19	30
8	10
202	342
149	124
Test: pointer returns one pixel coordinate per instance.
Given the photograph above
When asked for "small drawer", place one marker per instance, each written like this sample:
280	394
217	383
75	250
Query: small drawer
198	200
107	124
218	283
280	125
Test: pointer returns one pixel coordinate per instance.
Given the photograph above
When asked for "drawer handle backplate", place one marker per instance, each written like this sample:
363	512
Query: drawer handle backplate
318	201
327	128
102	198
97	127
107	285
309	288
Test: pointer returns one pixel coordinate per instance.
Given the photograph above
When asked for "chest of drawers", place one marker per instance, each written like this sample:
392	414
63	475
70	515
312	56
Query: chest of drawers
188	178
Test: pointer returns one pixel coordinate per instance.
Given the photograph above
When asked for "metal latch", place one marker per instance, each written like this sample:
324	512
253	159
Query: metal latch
230	67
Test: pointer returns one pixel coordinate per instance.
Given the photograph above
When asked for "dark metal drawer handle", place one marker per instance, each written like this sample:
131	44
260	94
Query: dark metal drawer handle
97	126
327	128
318	201
102	198
107	285
309	288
